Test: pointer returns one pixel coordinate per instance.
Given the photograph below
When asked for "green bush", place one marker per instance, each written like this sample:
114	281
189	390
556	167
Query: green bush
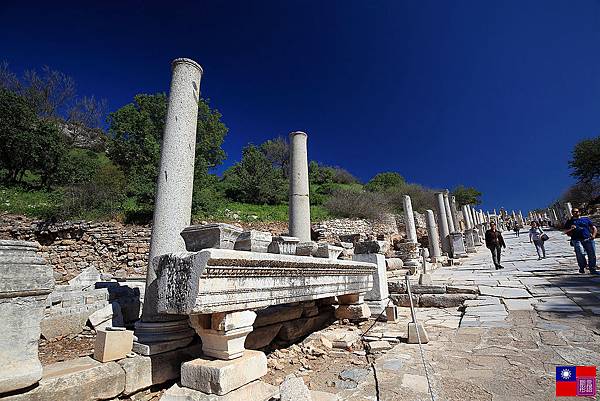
350	203
384	181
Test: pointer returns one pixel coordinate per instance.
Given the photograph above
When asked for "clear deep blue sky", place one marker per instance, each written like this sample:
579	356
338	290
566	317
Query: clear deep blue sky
491	94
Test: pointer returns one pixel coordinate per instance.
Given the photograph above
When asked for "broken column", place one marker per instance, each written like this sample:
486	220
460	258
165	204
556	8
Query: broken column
454	212
299	207
173	206
411	258
469	240
451	222
25	282
443	222
432	232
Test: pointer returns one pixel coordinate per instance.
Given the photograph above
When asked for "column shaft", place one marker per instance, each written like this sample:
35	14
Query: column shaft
299	202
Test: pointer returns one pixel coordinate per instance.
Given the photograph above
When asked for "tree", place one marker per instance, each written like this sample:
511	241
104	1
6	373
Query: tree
136	131
319	174
17	133
384	181
586	160
254	179
49	149
466	195
277	151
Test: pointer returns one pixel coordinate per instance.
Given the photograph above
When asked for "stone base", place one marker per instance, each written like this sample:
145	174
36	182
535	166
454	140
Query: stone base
112	344
425	279
142	372
220	377
255	391
377	307
160	347
353	312
412	333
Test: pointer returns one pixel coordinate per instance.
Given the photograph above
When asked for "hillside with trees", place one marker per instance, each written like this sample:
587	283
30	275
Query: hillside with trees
63	156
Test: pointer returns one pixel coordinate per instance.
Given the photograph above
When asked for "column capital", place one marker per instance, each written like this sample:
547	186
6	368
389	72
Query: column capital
187	61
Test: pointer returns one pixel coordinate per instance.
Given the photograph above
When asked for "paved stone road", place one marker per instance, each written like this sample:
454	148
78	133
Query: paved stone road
530	317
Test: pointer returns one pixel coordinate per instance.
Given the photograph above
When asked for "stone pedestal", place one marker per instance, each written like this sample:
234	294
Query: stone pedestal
223	334
377	298
458	245
476	236
409	253
299	204
352	307
412	334
214	376
173	204
470	241
25	282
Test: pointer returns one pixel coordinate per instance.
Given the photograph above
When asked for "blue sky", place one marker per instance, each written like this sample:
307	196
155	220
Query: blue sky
487	94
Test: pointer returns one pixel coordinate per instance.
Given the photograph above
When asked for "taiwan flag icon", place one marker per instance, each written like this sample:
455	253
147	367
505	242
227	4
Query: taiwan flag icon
572	381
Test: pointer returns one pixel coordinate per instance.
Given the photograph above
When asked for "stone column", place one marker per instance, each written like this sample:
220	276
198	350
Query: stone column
443	222
25	282
377	297
454	212
173	205
409	220
432	233
451	222
569	210
299	207
467	217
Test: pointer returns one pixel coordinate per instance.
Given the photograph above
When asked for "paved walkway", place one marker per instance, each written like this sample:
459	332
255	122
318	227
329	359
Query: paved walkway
530	317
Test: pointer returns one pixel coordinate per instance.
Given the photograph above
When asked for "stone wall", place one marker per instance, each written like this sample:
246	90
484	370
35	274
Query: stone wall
71	247
122	250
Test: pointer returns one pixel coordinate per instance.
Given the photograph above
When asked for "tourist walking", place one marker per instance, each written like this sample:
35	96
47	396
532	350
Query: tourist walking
536	235
516	229
582	232
495	242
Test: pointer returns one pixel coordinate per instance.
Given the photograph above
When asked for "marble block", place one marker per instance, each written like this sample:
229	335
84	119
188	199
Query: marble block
112	344
284	245
253	241
328	251
220	235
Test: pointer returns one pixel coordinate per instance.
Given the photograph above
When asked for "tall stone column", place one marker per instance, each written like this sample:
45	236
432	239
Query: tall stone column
454	212
443	222
432	232
451	222
173	204
467	217
299	207
409	220
569	210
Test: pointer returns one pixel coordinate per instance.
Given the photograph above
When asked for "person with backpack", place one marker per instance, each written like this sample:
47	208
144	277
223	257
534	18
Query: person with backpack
583	232
537	236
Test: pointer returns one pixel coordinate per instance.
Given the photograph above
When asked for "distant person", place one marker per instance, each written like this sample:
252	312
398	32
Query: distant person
517	229
535	236
495	242
583	232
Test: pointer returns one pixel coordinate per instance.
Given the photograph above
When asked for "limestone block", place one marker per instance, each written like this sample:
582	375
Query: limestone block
284	245
276	314
219	376
219	280
380	284
220	235
353	312
25	282
404	300
66	322
306	248
375	346
295	329
112	344
412	334
86	278
293	389
253	241
225	335
76	379
109	316
262	336
351	299
328	251
391	313
255	391
394	264
142	372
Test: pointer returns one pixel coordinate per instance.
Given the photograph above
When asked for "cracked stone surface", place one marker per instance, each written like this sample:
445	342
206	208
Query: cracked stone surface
532	316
